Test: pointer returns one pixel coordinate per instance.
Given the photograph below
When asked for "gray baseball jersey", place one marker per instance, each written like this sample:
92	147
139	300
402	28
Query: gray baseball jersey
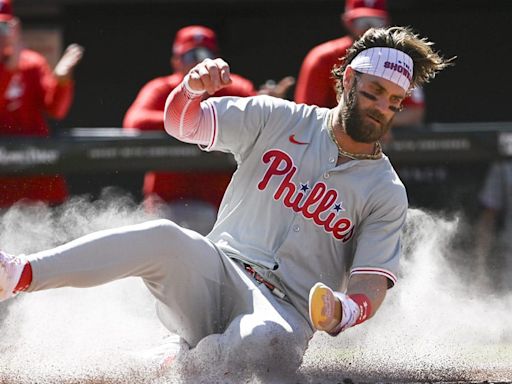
290	211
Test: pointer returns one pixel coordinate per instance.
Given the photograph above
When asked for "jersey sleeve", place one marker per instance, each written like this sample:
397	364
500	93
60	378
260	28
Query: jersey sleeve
227	124
239	122
378	245
492	195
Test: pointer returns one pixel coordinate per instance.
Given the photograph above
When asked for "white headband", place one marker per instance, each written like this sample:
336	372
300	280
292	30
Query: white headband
388	63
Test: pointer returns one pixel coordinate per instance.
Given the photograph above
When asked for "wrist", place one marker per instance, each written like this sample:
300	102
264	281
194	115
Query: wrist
63	80
192	92
355	309
364	305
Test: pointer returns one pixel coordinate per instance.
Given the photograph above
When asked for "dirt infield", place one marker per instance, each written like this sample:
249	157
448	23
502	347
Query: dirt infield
97	342
325	362
438	325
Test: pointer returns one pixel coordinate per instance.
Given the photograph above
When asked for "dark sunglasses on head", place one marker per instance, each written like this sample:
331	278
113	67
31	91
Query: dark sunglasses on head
366	23
196	56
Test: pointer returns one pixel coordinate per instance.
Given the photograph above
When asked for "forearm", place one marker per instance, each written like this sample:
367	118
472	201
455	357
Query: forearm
58	100
334	312
186	118
374	287
364	296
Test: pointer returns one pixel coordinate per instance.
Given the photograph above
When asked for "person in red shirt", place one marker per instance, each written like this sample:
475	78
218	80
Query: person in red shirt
315	84
29	93
189	198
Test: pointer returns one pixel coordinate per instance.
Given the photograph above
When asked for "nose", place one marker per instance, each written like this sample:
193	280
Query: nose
382	105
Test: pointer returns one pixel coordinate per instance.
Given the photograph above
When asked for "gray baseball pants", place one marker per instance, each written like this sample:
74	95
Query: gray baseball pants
202	295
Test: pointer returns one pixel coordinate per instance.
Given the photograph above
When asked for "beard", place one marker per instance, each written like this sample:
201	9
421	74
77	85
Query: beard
354	119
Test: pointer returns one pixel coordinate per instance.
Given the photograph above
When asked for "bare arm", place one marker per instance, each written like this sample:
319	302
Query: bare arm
59	85
373	286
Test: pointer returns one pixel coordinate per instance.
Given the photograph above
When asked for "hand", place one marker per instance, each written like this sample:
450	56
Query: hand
277	90
209	75
324	308
69	60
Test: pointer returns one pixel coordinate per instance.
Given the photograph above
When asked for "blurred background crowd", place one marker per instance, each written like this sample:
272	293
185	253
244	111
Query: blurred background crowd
83	63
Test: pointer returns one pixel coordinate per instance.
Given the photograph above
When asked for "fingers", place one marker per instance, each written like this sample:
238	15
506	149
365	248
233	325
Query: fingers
74	49
210	76
73	54
69	60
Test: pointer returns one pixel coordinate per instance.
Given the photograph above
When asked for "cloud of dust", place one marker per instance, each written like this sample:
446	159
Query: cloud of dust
64	334
439	323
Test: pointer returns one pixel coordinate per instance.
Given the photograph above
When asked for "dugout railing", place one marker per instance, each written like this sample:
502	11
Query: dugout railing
442	165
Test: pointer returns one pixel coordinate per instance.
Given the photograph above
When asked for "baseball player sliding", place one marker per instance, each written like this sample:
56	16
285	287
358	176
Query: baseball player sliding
313	200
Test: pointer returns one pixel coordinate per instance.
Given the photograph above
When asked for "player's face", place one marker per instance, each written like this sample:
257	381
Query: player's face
369	107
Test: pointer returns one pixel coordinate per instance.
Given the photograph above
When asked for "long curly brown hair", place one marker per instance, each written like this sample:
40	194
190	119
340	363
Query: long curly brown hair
427	62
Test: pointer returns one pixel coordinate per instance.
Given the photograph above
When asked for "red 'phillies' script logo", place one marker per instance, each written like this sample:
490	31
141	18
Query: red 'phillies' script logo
320	201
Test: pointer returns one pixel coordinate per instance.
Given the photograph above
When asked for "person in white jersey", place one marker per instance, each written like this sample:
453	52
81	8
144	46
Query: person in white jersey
308	232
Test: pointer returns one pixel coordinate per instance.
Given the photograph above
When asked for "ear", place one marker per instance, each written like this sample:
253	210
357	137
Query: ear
348	77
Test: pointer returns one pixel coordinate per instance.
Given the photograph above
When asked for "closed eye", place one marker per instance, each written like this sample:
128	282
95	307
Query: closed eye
392	108
368	95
